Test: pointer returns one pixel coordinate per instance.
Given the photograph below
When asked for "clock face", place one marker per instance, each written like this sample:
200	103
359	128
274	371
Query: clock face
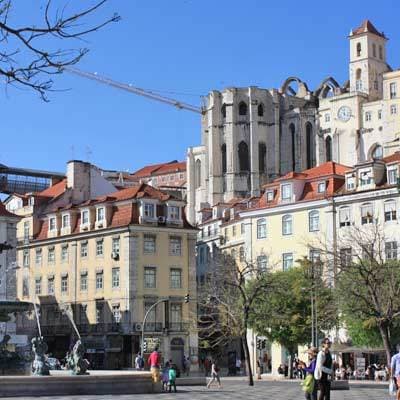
344	113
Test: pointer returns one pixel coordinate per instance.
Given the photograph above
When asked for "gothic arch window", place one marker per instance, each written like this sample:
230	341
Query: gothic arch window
260	110
262	152
242	108
309	144
328	148
244	161
197	173
358	49
223	158
223	111
292	130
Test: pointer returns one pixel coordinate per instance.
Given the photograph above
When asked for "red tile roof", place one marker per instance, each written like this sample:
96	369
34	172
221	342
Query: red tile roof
160	169
395	157
367	26
55	190
5	213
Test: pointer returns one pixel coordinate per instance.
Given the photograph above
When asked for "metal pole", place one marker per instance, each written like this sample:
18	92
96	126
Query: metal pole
144	322
312	318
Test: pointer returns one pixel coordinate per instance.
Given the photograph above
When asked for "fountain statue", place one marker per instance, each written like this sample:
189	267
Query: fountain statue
75	361
39	366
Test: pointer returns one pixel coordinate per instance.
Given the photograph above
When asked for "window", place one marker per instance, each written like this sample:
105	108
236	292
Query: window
115	278
99	280
84	282
176	316
116	313
242	108
344	216
50	286
321	187
393	109
99	312
241	253
366	214
351	183
392	176
25	286
270	196
85	217
373	49
51	255
99	248
313	221
242	228
223	111
345	257
65	221
115	245
328	148
379	114
286	192
391	250
149	244
64	284
52	224
100	214
287	225
327	117
358	49
83	313
173	213
175	278
223	158
64	253
381	52
262	263
198	174
368	252
261	228
315	256
233	254
244	160
260	110
38	286
287	261
393	90
149	210
262	154
368	116
390	211
233	230
365	178
84	249
149	277
38	257
26	260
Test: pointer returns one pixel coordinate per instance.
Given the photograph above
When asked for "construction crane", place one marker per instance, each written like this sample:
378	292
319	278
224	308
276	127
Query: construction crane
132	89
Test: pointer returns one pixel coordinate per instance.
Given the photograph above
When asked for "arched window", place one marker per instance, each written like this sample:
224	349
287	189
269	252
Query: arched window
223	158
328	148
242	108
244	161
292	130
223	111
287	225
377	153
261	228
260	110
358	79
358	49
262	152
197	173
309	142
313	221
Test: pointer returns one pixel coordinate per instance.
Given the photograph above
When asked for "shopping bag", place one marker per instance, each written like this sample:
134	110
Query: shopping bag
308	384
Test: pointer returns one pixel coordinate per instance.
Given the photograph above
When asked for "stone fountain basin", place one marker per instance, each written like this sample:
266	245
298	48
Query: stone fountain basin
62	383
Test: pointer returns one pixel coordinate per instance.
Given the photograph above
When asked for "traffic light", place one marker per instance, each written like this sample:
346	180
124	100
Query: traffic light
144	347
187	298
263	343
258	344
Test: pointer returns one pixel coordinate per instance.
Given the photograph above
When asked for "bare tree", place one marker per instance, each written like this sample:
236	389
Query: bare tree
225	301
31	54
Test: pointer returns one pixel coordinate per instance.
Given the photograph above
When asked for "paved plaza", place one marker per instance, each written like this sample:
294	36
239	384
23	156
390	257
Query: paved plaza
233	389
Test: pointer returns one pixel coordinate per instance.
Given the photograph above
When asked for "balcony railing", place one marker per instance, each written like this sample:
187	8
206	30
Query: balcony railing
178	326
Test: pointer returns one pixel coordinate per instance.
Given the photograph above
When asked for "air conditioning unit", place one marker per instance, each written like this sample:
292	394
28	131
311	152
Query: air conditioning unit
138	327
114	255
161	220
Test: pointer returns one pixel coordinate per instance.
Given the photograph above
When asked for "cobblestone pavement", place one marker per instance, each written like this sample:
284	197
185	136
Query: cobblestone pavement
237	390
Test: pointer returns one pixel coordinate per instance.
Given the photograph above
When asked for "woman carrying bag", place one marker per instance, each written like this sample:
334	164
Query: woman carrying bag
309	386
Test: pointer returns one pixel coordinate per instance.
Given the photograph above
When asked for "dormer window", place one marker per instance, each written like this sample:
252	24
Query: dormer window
350	183
100	214
270	195
173	213
85	217
65	221
392	175
321	187
52	224
149	210
286	192
365	178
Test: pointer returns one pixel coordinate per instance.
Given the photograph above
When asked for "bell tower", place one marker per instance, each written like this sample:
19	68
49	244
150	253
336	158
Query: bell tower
367	60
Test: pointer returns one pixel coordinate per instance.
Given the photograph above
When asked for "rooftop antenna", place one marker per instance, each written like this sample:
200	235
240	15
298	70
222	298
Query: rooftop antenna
88	153
72	149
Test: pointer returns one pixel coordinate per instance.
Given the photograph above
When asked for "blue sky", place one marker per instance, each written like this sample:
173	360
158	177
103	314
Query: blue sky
182	46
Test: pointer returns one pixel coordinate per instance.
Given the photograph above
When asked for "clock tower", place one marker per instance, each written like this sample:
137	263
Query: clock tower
367	60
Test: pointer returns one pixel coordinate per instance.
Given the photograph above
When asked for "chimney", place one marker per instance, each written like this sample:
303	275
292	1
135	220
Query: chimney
78	179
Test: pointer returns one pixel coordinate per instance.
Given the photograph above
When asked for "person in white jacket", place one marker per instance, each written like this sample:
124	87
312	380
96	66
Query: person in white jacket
323	370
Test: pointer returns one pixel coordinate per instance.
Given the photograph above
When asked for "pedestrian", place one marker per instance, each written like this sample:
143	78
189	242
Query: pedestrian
323	370
172	378
238	365
207	366
214	375
187	366
165	376
154	362
309	383
395	371
139	363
